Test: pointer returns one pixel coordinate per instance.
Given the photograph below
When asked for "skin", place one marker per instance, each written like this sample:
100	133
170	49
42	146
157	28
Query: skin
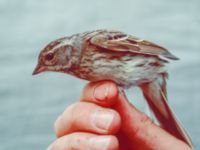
103	119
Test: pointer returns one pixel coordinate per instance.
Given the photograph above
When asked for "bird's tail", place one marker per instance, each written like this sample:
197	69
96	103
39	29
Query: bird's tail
155	94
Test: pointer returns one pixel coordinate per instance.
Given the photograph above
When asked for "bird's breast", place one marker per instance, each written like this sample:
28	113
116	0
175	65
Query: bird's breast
127	70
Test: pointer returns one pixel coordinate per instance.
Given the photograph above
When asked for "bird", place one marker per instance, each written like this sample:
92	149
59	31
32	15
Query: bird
123	58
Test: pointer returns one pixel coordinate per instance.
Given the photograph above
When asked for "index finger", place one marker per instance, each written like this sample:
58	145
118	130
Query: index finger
103	93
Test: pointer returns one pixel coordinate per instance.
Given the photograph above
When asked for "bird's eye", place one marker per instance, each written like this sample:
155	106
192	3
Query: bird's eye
49	56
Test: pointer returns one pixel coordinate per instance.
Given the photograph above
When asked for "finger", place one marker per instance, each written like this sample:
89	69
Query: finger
88	117
139	128
83	141
103	93
129	113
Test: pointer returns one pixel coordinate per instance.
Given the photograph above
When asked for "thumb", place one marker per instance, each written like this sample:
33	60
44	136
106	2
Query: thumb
138	129
133	120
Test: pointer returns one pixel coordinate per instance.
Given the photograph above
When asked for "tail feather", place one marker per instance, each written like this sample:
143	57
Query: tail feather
155	94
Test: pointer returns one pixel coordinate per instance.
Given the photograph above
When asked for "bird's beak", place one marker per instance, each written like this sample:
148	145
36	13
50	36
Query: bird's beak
38	69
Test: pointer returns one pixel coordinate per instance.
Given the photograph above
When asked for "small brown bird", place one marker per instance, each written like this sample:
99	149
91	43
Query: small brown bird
124	59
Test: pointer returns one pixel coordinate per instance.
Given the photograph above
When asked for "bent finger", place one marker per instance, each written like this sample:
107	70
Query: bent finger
88	117
139	128
103	93
83	141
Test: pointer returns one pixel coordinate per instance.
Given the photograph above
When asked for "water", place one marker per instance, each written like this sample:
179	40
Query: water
29	105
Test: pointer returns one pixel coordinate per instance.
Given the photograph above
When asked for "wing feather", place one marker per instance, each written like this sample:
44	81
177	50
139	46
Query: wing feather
118	41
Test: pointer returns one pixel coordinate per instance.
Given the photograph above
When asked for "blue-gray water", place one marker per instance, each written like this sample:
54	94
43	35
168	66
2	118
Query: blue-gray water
29	105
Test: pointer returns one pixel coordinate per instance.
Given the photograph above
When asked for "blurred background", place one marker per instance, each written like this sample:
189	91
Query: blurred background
30	104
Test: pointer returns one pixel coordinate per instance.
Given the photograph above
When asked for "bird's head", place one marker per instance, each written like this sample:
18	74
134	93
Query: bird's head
56	56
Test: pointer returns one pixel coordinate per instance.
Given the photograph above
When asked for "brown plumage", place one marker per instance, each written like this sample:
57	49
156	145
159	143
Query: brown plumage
124	59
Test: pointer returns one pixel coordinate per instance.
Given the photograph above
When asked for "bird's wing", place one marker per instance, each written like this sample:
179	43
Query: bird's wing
118	41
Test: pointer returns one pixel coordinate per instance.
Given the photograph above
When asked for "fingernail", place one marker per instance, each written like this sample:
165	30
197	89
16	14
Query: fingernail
101	92
99	143
102	119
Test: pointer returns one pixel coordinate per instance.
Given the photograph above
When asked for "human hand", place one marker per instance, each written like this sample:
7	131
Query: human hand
105	120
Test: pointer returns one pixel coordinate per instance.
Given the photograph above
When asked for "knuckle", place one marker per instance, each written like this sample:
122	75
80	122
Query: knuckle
145	120
72	141
88	87
70	111
70	108
72	115
145	123
56	145
65	119
75	141
62	143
